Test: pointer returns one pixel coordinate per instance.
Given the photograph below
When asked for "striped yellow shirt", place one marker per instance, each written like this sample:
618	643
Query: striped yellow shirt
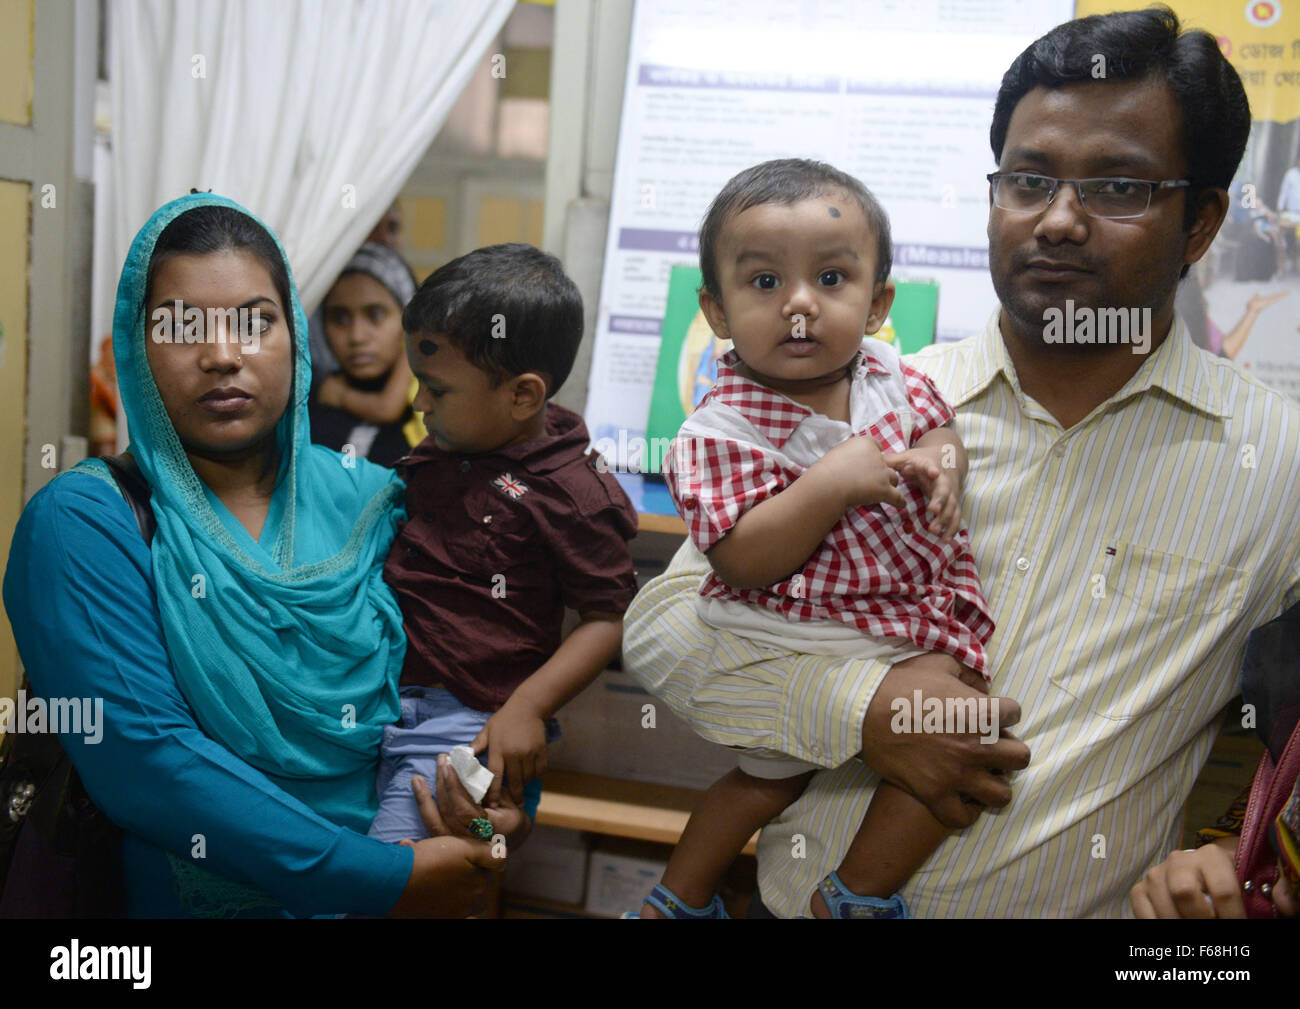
1124	560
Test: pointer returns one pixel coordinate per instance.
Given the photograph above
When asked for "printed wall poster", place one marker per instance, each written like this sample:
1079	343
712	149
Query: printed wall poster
1242	301
901	99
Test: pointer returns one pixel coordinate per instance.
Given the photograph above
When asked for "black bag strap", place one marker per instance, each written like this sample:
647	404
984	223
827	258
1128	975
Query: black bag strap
135	488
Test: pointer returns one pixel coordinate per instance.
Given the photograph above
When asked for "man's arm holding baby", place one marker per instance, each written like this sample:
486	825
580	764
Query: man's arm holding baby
960	773
942	770
515	737
776	537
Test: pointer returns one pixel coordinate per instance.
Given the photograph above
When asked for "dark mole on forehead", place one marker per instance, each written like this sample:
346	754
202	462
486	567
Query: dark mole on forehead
834	211
427	347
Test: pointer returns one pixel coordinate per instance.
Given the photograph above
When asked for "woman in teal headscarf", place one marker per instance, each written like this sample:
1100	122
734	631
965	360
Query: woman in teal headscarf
247	659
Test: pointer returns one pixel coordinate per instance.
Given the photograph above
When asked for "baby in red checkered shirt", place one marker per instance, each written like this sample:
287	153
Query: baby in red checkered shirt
821	480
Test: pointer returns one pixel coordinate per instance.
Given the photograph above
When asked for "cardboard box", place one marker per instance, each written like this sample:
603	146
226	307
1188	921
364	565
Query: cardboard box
619	883
550	865
606	732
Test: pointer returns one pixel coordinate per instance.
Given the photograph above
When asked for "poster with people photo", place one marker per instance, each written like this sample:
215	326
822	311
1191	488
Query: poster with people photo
1242	301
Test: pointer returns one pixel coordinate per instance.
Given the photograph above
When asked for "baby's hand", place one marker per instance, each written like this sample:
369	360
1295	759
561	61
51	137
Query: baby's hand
858	471
924	468
515	738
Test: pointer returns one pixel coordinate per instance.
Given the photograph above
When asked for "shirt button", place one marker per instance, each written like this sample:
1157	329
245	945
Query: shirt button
1022	563
1059	450
464	465
411	551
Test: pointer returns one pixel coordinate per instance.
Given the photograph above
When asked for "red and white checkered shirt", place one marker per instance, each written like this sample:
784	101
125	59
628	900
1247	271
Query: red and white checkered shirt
879	569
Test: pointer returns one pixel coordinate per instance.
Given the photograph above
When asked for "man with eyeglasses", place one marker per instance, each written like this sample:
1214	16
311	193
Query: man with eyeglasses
1132	514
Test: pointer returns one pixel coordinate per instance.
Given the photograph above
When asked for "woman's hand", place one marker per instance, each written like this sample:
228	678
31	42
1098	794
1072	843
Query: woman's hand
1192	884
448	880
452	813
1258	302
450	875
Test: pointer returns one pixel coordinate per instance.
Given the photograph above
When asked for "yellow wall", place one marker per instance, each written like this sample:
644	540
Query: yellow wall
424	219
16	19
509	219
429	228
528	73
15	199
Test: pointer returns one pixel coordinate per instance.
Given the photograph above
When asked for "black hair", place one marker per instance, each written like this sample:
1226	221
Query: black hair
508	308
1137	44
786	181
214	228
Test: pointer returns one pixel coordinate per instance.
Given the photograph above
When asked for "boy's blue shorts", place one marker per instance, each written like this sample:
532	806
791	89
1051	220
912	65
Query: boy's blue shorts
432	722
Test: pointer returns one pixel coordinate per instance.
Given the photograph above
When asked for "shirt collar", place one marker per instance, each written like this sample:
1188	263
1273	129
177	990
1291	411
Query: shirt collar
988	359
774	416
1181	369
1176	367
566	438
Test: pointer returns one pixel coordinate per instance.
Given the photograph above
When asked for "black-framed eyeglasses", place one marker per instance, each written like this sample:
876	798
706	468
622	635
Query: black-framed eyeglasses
1110	199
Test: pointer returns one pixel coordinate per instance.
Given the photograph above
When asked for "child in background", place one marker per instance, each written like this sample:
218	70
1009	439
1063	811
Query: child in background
362	321
508	523
788	478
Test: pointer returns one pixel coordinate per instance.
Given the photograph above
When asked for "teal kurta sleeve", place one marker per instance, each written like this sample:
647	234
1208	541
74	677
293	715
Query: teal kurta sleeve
79	593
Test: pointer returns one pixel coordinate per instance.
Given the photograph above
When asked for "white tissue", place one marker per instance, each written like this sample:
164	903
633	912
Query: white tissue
474	776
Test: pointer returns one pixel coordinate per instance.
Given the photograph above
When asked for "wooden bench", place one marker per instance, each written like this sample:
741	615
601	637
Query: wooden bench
618	808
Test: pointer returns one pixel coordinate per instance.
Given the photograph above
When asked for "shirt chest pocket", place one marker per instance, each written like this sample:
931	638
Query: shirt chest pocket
496	533
1124	655
1170	585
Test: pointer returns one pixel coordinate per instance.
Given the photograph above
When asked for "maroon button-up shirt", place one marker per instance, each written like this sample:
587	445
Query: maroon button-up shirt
495	547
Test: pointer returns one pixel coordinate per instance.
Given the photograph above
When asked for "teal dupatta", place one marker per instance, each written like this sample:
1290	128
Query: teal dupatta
288	649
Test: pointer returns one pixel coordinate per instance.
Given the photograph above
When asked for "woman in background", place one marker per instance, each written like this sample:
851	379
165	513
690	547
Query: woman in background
1192	306
364	409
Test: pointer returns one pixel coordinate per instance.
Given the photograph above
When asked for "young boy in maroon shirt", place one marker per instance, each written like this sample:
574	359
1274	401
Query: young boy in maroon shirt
508	523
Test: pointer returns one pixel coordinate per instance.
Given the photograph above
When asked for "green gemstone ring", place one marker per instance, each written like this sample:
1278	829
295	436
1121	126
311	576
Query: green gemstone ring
481	828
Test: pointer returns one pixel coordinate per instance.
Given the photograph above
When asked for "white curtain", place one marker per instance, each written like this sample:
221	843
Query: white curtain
310	113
